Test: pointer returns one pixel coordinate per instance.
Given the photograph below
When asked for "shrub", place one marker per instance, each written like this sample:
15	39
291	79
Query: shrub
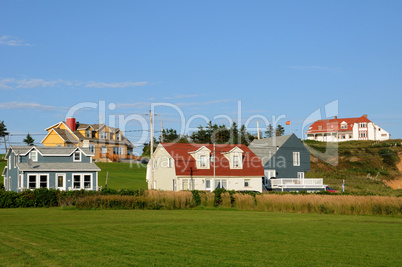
389	156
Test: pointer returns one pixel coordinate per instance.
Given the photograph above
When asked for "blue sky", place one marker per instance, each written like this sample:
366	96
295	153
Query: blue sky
207	58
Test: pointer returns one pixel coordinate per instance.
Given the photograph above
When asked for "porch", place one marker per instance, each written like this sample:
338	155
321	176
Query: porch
294	184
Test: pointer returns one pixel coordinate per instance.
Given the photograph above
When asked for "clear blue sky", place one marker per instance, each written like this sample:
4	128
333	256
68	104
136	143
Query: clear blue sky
276	57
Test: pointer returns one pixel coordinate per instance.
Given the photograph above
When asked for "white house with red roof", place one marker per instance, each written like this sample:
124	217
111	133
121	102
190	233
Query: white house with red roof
178	166
346	129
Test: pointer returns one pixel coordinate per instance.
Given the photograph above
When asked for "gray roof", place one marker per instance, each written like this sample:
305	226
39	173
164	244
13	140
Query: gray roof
266	148
50	150
70	166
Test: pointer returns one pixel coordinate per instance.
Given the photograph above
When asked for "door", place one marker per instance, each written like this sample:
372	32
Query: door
61	181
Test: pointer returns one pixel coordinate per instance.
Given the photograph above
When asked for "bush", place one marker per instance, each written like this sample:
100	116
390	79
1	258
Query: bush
389	156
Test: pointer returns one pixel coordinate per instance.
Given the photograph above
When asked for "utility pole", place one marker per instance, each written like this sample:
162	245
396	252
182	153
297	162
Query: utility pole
161	131
258	130
152	149
213	185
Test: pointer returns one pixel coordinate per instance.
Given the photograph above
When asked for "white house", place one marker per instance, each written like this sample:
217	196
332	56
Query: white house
346	129
206	167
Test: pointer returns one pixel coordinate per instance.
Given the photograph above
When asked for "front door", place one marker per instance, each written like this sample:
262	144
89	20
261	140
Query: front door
61	181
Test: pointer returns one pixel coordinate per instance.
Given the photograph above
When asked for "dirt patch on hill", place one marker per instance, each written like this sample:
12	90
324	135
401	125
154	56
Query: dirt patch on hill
397	182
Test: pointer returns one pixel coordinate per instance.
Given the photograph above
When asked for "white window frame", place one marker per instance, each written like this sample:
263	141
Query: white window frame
238	165
296	158
203	161
118	136
270	173
363	124
56	181
300	175
103	135
220	182
208	181
362	134
37	180
190	184
82	181
33	152
80	156
344	126
88	133
92	148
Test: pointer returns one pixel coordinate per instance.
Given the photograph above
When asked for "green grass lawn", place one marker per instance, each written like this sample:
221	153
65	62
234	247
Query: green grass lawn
123	175
48	237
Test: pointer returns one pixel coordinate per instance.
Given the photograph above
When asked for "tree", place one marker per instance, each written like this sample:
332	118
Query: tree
270	131
29	140
3	133
234	134
170	136
279	130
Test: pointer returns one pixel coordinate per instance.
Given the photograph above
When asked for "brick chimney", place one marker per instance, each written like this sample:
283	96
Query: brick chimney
71	124
365	115
336	117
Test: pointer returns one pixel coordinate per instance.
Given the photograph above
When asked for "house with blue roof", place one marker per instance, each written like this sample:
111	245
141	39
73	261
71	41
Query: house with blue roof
63	168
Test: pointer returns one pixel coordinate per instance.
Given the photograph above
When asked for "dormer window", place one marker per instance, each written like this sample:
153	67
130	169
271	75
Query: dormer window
344	125
319	127
77	156
34	156
203	161
236	161
103	135
88	133
118	137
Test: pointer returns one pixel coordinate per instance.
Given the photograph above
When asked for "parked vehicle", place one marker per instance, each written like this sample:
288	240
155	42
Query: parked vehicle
330	189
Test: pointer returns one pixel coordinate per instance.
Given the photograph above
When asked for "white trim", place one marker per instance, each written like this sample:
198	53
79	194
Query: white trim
296	161
30	155
80	156
63	188
37	180
82	181
192	152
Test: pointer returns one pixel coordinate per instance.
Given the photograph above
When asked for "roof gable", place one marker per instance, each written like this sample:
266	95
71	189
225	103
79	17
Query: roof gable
335	125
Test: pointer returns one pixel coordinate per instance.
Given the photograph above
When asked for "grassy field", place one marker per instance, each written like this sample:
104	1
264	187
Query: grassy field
123	175
49	237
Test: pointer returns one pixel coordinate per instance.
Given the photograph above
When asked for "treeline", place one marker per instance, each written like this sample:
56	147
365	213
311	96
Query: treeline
154	200
214	133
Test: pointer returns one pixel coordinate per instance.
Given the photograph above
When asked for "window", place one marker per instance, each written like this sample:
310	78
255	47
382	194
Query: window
82	181
103	135
91	148
118	137
300	175
117	150
212	158
319	127
362	134
87	181
296	158
38	181
221	183
236	162
77	156
350	136
207	184
76	181
203	161
343	136
363	124
344	126
88	133
188	184
34	156
31	181
246	182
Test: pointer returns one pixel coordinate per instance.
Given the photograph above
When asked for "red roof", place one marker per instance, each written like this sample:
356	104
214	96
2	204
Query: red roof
334	125
185	164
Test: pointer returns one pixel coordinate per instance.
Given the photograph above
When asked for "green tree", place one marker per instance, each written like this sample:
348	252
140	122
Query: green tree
270	131
29	140
279	130
3	133
146	151
234	134
169	136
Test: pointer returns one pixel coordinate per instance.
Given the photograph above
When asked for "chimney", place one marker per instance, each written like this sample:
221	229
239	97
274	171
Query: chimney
365	115
336	117
71	124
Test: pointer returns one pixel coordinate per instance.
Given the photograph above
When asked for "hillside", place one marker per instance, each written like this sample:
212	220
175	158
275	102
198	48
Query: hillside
368	167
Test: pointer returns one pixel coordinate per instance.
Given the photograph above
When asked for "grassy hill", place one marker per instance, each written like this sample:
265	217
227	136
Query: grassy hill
368	167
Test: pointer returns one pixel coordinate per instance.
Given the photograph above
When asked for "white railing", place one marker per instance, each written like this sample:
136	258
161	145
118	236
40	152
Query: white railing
289	182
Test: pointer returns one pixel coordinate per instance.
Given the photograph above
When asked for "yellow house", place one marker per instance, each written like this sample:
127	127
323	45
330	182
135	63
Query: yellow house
107	143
